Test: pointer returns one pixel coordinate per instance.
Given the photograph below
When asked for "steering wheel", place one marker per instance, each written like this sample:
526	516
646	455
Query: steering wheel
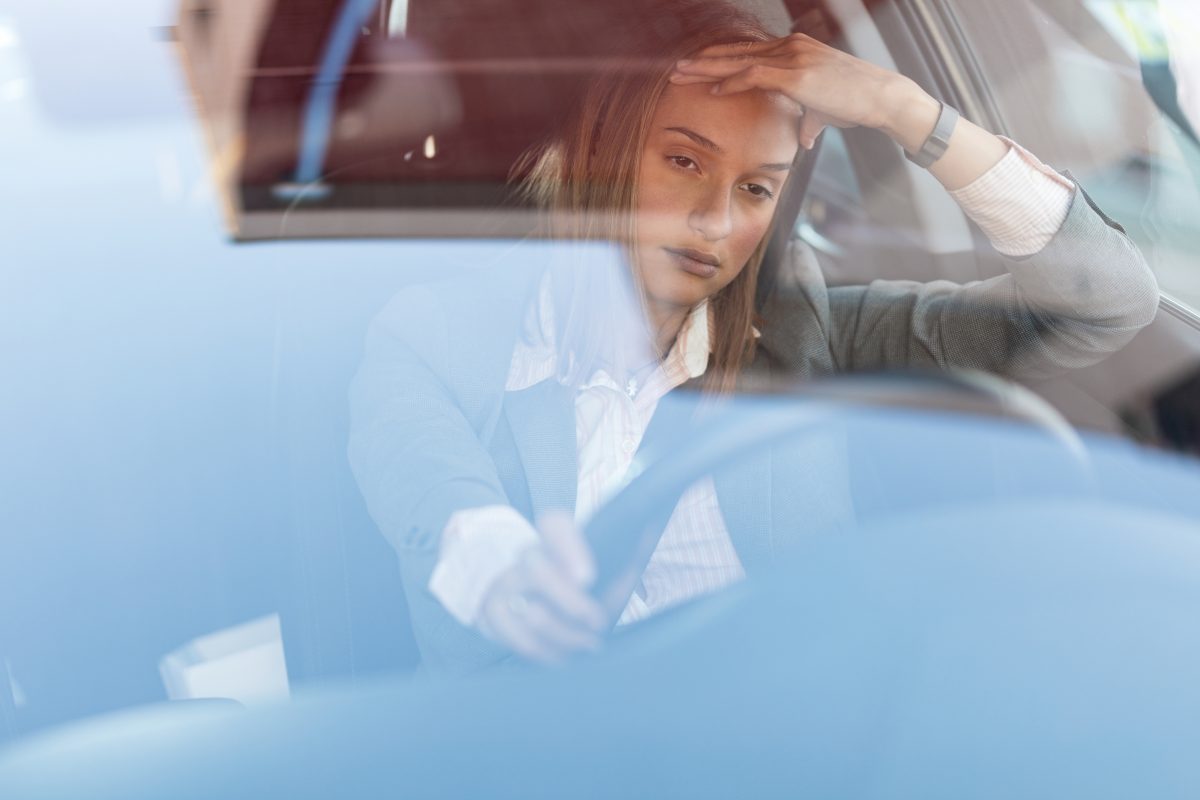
692	435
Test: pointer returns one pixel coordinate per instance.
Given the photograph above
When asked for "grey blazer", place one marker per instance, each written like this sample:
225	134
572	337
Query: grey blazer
433	430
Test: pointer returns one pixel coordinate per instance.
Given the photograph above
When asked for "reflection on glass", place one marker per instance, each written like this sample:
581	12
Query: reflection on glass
397	24
244	663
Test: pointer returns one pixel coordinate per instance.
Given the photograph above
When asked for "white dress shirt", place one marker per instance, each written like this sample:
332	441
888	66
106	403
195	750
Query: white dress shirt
1019	204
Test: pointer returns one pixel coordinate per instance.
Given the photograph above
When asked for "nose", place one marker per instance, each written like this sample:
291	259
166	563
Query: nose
711	214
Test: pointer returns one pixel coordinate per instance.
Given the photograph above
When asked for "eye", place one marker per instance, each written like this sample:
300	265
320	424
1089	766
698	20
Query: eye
758	190
683	162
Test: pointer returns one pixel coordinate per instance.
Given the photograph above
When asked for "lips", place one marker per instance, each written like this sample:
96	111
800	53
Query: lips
700	264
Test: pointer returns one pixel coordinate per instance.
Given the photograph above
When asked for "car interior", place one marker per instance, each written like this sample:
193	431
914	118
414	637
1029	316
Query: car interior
406	132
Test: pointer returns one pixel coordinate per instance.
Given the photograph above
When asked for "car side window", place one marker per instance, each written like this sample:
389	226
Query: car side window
868	213
1092	86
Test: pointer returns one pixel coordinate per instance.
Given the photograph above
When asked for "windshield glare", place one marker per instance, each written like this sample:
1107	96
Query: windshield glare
224	302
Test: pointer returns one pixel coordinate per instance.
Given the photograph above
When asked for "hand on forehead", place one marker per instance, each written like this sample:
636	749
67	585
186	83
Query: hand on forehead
758	124
832	87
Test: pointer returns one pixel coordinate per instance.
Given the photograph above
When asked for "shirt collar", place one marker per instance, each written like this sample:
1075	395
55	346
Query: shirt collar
535	357
693	344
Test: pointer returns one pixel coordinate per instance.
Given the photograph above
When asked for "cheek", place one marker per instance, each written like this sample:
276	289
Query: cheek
745	239
748	233
658	196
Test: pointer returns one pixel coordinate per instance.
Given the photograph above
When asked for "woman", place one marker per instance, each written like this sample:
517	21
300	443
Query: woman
464	409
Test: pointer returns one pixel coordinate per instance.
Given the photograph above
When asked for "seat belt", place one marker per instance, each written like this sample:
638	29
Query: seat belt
785	222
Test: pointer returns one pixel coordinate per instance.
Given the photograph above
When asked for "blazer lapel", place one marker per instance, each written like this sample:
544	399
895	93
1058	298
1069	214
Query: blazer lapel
542	418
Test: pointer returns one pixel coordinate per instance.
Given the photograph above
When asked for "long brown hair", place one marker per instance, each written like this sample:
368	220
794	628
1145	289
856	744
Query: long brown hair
585	177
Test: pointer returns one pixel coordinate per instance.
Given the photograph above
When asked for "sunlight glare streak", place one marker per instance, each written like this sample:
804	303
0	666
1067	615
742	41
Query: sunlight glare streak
8	36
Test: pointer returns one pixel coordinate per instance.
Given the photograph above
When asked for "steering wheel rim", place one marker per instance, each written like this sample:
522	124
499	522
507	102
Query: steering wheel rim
623	536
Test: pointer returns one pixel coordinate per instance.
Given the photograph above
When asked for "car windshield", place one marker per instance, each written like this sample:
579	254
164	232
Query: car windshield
256	255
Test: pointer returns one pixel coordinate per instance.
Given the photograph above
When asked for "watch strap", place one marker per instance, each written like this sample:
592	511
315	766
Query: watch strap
939	141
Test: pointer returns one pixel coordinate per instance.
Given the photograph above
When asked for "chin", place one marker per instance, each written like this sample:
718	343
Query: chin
667	284
677	292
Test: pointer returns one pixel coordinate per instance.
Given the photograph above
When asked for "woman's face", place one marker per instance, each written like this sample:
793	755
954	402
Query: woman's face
712	171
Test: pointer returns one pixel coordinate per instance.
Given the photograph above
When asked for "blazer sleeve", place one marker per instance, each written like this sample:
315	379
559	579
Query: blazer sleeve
1083	296
417	459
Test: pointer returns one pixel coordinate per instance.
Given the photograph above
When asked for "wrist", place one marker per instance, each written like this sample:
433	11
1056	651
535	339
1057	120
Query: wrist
911	114
478	545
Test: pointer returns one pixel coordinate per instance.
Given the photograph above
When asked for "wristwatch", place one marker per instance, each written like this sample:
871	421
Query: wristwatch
936	145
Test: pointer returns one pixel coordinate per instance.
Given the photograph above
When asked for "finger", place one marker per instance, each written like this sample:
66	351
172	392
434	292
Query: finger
758	76
567	547
724	67
563	596
680	79
553	634
497	619
735	49
790	44
503	626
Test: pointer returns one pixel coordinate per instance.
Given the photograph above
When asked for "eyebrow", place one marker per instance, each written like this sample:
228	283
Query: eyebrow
709	144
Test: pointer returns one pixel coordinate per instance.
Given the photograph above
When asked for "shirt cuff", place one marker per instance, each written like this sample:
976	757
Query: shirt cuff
1019	204
478	544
